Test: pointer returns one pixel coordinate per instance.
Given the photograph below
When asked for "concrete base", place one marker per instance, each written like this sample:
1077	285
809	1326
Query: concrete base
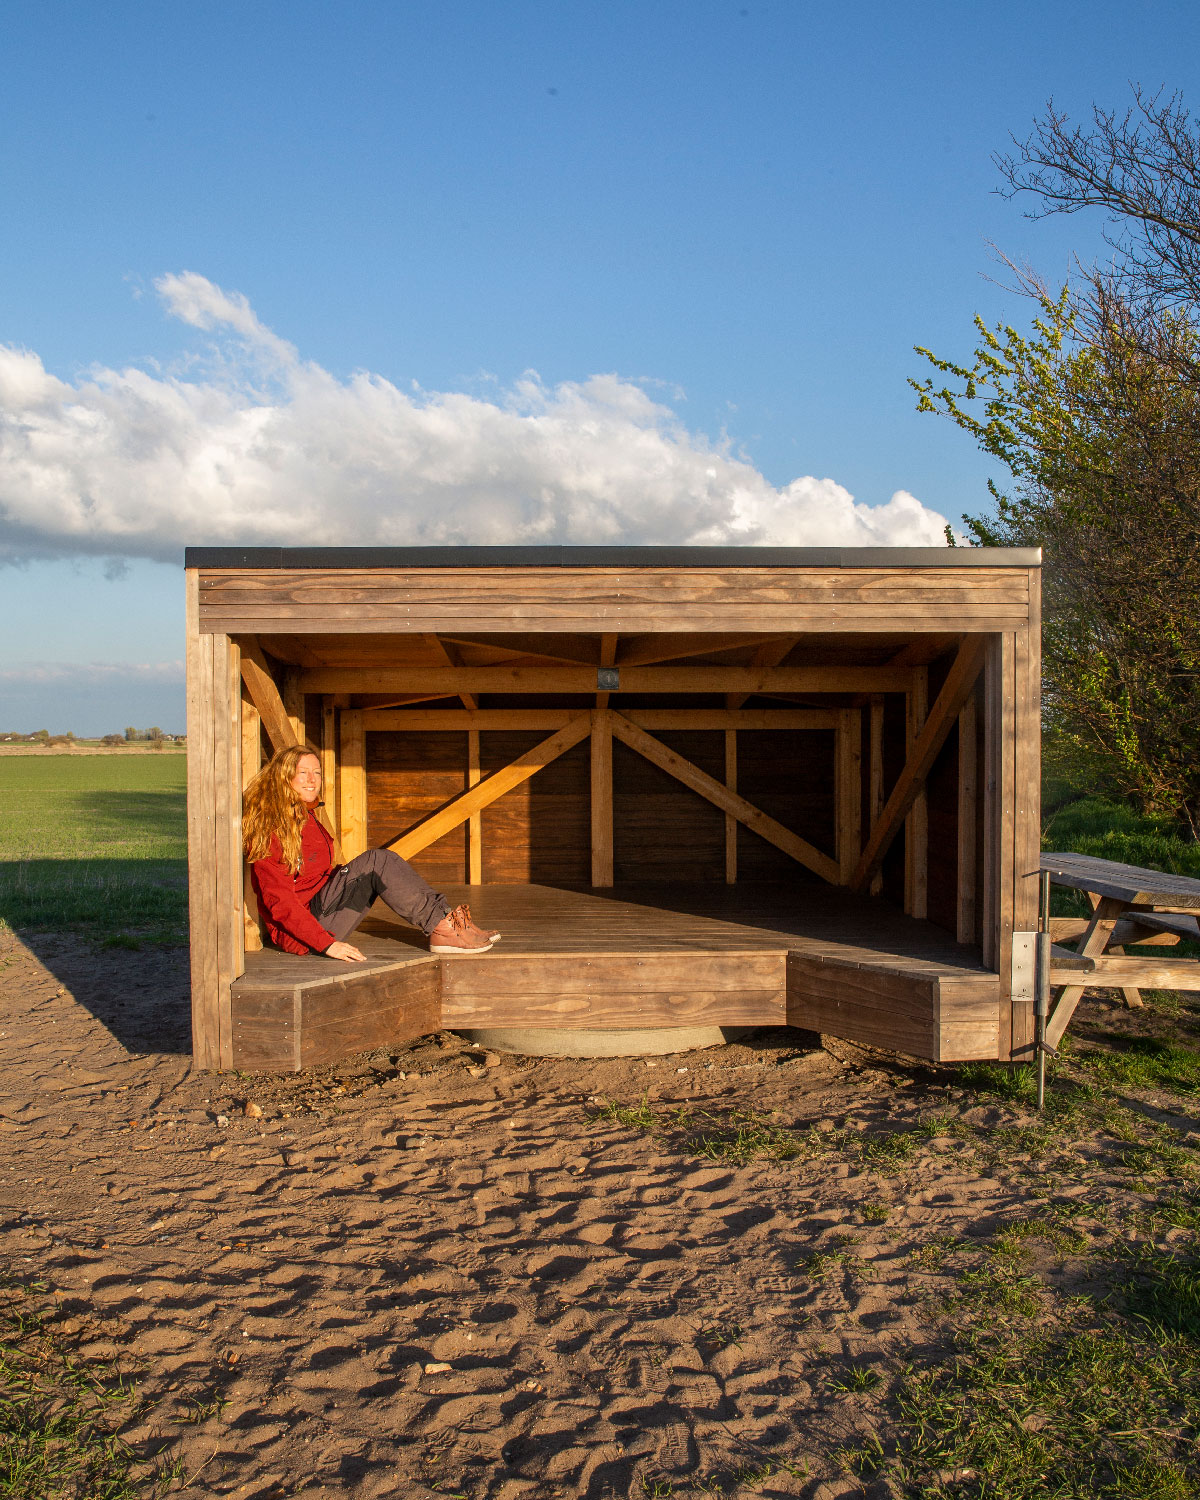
645	1041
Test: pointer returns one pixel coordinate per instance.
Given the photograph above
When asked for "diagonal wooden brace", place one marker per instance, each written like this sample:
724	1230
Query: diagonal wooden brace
720	796
265	696
942	718
1104	918
485	792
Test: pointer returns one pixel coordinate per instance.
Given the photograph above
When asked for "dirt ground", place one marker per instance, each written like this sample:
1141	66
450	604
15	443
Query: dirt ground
436	1270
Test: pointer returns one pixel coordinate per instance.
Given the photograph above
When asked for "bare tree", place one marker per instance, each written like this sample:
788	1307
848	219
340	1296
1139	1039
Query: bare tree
1142	168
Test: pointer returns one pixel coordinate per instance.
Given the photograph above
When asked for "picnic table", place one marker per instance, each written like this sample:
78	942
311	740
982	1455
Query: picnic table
1131	908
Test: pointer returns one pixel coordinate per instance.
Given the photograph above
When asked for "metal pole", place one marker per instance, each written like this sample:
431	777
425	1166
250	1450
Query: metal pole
1041	1006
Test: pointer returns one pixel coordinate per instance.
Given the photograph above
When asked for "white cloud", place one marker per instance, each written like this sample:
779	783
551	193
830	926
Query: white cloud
262	447
93	674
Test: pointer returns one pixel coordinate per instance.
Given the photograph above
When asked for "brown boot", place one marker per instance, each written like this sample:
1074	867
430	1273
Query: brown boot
492	937
456	933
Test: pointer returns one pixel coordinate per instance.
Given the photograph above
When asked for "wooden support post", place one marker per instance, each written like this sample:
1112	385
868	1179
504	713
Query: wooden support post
968	802
708	787
959	682
999	691
352	785
251	765
602	797
875	786
731	823
848	791
214	834
1027	795
329	761
916	825
231	930
293	702
475	821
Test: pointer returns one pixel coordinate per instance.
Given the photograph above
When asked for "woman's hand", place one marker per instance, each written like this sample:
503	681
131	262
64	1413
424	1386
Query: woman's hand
347	952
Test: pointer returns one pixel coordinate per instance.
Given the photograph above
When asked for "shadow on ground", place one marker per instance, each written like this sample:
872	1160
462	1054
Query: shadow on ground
141	997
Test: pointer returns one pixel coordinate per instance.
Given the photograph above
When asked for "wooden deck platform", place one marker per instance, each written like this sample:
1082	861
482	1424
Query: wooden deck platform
808	956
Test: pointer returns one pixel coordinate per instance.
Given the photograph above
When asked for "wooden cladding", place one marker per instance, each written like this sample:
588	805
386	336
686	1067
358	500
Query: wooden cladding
587	726
641	600
646	808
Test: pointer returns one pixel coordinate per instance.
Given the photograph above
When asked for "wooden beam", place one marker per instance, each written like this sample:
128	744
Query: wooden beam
916	825
475	821
848	790
731	823
451	658
476	798
875	776
647	650
958	684
730	802
435	719
265	696
968	805
769	654
602	798
581	650
1120	972
608	656
452	681
352	784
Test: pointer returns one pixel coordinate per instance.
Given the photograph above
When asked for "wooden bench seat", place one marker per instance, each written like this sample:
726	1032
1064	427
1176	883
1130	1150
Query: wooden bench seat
675	957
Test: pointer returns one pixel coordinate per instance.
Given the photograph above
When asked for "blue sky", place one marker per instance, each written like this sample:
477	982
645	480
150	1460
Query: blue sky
714	231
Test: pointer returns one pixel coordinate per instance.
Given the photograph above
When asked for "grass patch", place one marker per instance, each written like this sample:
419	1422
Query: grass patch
97	845
1143	1062
61	1411
1065	1410
1001	1080
732	1135
1114	830
893	1148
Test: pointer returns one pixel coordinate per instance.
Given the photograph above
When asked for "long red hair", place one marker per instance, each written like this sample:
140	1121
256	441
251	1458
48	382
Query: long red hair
272	808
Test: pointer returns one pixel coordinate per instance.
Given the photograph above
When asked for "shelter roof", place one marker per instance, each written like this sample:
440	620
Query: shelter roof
612	557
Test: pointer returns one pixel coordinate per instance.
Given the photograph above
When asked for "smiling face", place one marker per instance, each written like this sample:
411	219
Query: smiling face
306	783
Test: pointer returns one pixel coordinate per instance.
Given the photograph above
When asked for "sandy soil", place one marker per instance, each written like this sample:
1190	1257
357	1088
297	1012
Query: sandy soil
435	1271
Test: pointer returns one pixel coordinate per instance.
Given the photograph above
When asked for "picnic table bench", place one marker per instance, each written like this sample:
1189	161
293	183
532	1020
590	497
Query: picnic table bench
1131	907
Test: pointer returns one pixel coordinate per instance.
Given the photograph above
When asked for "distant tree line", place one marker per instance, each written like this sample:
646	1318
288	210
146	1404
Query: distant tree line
1095	413
154	736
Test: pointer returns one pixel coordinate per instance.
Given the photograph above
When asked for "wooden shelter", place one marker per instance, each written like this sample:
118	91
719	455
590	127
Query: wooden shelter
692	785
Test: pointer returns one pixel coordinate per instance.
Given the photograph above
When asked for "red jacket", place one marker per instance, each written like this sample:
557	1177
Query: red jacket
283	897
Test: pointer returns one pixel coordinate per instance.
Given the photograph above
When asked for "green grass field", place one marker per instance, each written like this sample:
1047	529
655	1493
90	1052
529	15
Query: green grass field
95	844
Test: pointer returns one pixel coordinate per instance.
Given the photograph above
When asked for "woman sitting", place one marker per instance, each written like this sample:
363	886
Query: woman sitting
311	905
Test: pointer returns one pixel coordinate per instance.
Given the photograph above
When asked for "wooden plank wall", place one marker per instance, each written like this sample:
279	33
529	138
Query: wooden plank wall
541	831
790	600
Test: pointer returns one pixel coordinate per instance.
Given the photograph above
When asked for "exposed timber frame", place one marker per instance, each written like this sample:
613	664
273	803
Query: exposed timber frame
574	645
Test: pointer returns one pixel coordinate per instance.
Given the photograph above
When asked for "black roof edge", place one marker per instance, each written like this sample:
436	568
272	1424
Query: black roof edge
613	557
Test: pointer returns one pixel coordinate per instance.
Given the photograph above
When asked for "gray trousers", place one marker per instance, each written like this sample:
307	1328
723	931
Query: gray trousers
346	896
